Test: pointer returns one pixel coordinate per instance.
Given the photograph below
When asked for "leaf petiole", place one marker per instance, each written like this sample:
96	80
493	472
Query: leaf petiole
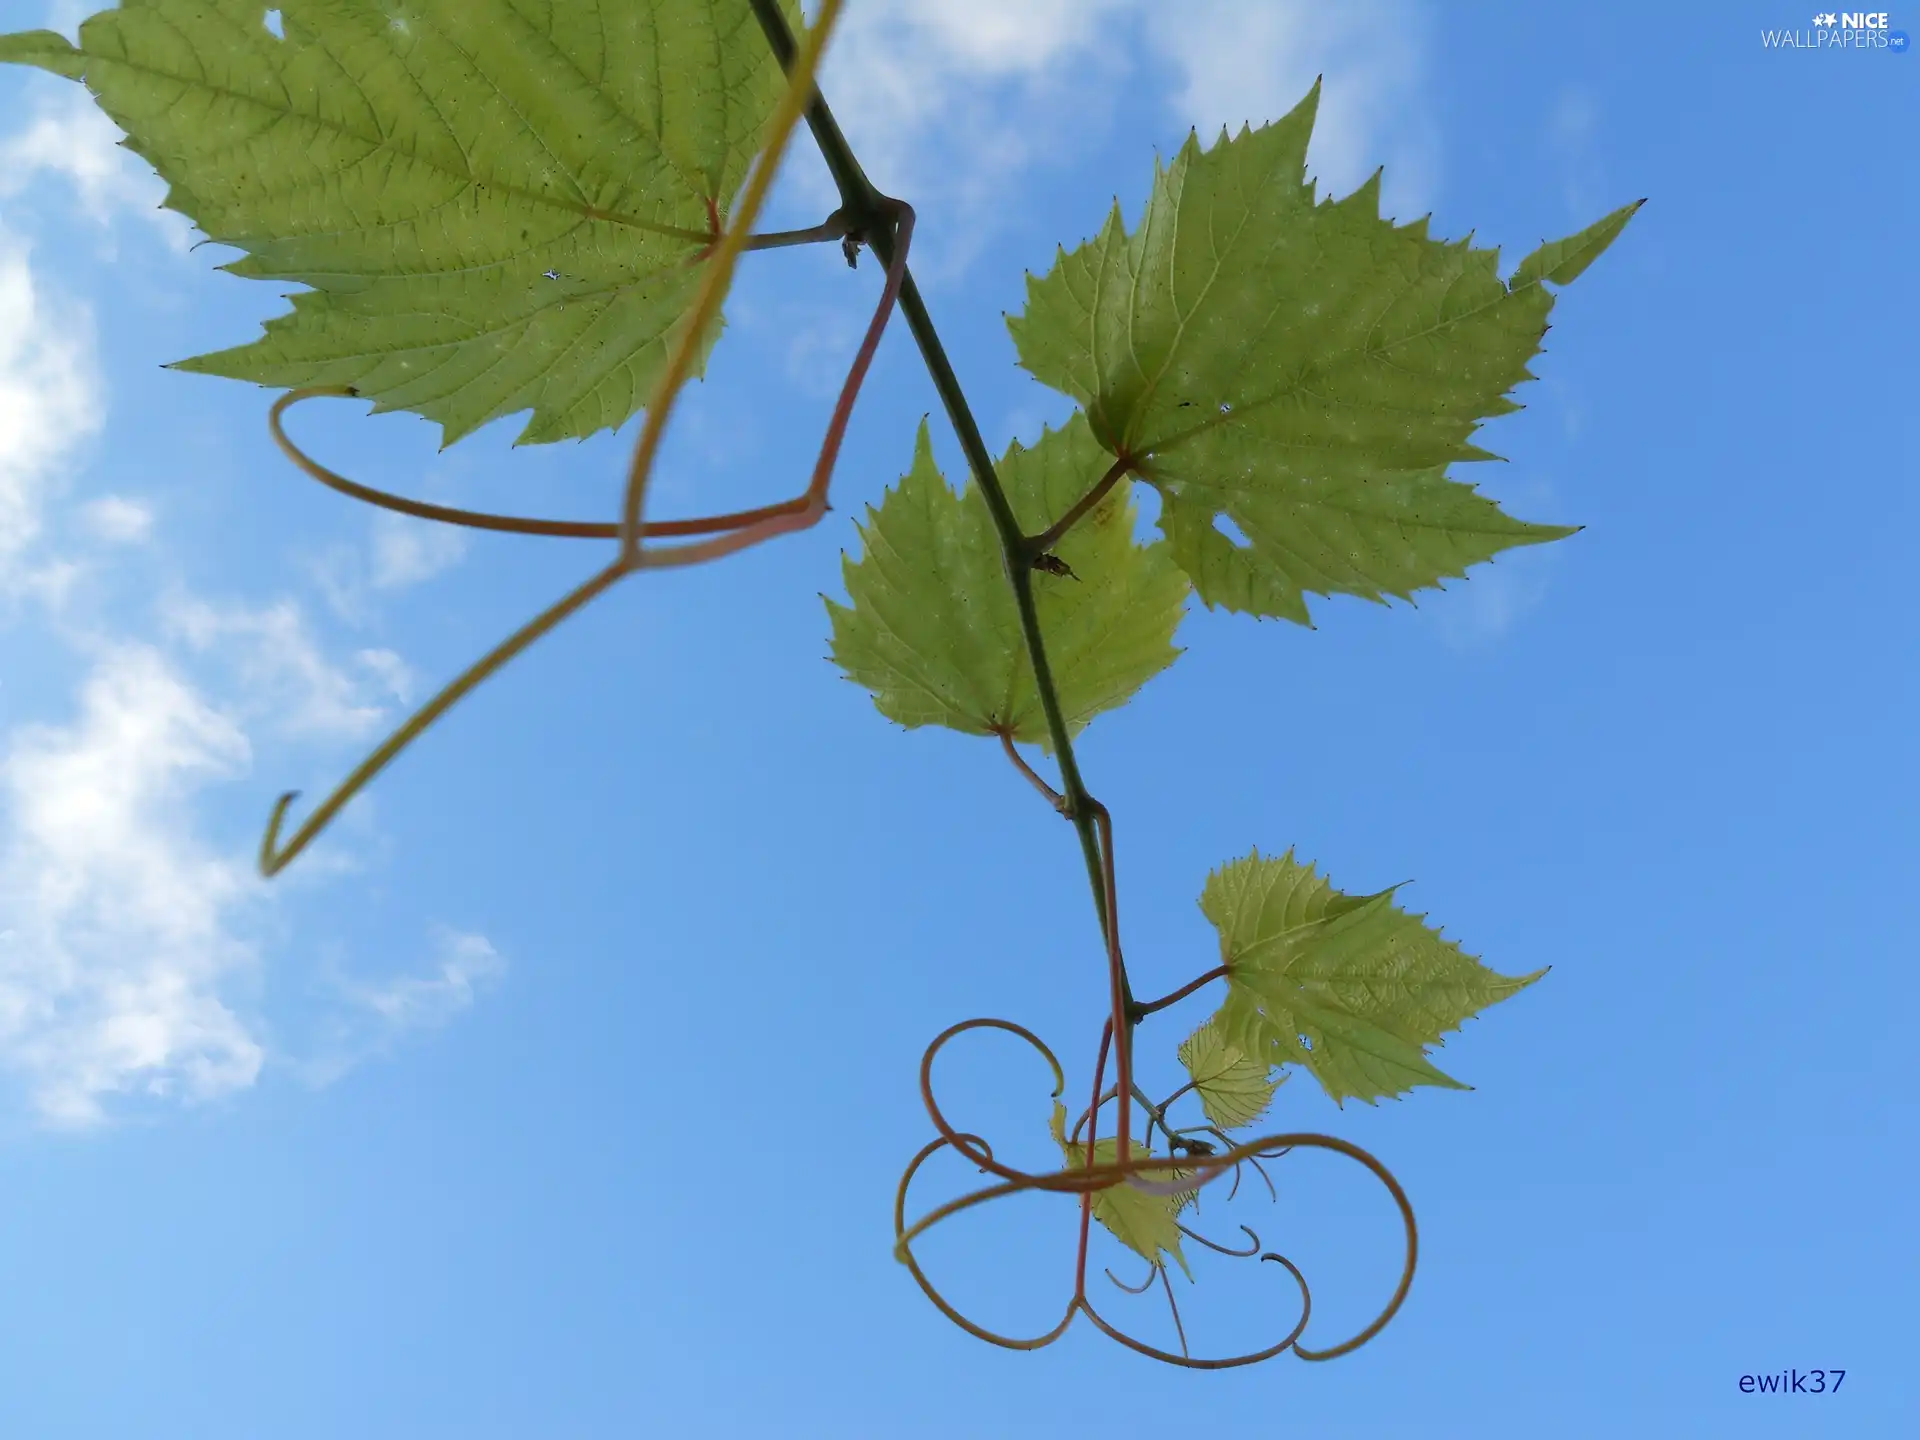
1038	545
1140	1012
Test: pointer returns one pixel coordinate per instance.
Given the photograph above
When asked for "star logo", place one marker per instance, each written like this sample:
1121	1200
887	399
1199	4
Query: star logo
1829	18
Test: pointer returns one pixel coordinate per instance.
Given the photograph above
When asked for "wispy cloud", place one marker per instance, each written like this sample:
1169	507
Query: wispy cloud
387	670
117	519
1496	596
278	667
1576	120
374	1015
1486	606
818	340
408	551
466	964
400	552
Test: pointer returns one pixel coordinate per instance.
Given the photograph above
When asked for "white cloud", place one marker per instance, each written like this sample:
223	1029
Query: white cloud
1239	63
50	401
389	671
119	921
377	1014
406	551
124	936
467	965
400	552
279	667
117	519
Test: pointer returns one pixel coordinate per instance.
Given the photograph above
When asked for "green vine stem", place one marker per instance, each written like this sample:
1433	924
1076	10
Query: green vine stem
870	215
637	196
866	216
868	211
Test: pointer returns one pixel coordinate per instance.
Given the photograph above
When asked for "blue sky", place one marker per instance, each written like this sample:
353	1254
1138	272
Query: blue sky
564	1088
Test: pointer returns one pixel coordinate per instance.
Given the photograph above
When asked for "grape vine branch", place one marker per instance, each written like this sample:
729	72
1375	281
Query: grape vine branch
1292	375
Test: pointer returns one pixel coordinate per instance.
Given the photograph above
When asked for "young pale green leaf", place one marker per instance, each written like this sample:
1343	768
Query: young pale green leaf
932	629
1305	371
499	206
1146	1224
1234	1087
1352	987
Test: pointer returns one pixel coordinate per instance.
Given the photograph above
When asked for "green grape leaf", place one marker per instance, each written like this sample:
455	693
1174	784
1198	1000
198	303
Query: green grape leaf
932	629
1146	1224
1234	1087
1350	986
500	205
1299	372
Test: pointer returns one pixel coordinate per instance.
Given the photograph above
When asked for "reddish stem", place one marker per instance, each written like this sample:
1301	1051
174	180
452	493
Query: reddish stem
843	411
485	520
1140	1012
1174	1306
1048	538
1054	797
1119	1025
811	503
1093	1133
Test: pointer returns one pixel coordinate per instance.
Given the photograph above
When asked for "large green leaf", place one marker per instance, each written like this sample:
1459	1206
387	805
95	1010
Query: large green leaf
1350	986
499	204
1145	1223
933	632
1304	371
1234	1087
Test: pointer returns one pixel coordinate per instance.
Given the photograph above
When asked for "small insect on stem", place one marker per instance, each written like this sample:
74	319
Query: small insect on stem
1054	565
